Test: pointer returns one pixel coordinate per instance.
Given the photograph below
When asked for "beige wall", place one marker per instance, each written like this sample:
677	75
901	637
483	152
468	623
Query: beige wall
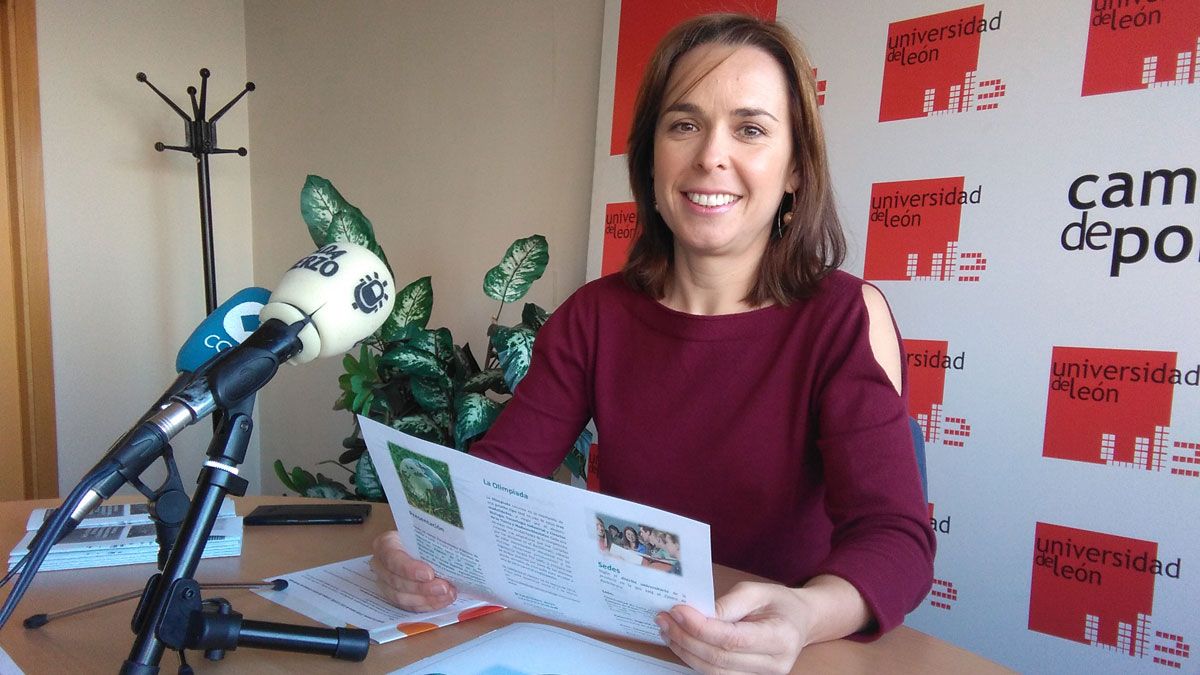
455	126
123	220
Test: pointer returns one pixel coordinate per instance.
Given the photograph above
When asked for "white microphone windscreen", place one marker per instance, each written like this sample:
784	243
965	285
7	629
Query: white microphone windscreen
346	290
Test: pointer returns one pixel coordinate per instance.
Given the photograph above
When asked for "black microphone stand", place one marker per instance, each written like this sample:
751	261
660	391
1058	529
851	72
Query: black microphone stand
171	613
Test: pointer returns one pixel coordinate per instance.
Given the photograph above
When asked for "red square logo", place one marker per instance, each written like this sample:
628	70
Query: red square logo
620	227
1109	406
926	381
930	64
643	24
1092	587
1135	45
913	229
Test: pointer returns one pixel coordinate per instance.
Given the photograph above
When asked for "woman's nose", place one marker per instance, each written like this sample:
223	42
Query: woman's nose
713	151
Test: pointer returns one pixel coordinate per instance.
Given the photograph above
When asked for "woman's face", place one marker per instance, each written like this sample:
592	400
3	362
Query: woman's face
599	527
723	151
630	536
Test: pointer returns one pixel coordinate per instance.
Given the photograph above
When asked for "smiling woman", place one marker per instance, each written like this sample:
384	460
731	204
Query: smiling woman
734	374
722	157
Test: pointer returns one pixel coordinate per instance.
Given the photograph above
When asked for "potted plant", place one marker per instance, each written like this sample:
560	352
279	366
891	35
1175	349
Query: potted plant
414	378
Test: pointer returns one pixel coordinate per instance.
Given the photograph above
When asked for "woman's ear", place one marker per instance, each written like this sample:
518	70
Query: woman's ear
792	184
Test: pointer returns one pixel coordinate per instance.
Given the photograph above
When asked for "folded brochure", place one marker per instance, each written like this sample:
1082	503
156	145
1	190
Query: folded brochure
534	544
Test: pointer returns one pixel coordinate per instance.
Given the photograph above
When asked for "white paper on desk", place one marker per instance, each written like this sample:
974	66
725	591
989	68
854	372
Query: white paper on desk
530	543
345	594
531	648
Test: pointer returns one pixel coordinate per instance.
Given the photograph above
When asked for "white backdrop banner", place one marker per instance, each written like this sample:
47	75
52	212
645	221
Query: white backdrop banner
1019	178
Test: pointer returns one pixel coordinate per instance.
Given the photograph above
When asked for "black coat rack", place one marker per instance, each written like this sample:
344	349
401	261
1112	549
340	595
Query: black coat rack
200	136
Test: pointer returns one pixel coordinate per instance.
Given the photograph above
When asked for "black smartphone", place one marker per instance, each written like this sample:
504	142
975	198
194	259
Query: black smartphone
309	514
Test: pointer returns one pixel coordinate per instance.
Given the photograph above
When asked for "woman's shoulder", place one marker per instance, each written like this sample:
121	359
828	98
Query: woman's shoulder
840	283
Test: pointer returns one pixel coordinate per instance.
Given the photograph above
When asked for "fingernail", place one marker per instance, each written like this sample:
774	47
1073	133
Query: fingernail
424	575
441	589
661	623
676	615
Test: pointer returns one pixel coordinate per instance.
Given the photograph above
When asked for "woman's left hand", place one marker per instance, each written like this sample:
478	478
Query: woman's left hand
760	628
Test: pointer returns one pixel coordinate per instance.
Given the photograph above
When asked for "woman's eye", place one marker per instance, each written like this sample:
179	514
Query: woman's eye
683	126
751	131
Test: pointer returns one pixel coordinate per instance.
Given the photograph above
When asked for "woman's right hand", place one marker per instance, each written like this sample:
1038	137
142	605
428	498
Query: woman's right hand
405	581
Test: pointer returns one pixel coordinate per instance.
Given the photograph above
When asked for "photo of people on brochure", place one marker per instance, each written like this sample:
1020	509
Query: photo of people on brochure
638	544
427	485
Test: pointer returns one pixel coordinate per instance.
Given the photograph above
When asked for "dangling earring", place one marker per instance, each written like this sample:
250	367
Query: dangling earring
782	218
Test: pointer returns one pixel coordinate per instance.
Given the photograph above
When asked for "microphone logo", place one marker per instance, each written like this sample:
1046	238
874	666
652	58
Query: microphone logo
323	261
242	320
370	294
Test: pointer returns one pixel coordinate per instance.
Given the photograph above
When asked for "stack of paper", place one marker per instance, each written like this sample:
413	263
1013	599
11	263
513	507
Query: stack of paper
346	594
121	535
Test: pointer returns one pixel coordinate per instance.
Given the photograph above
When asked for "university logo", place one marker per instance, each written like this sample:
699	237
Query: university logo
931	66
1113	407
620	226
928	361
1141	45
1098	589
913	229
643	24
943	594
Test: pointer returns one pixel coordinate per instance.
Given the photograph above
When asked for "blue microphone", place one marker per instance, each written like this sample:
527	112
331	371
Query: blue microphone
227	327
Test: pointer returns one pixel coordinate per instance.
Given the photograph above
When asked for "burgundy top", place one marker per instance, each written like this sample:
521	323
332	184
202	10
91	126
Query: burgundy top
777	427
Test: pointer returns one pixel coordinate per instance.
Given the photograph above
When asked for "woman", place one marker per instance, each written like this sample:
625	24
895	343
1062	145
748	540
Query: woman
735	376
631	539
602	536
614	534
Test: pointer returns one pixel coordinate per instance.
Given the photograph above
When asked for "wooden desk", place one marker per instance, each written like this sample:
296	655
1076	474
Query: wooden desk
99	641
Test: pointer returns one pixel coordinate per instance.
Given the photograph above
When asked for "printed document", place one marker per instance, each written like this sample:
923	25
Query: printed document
346	594
540	546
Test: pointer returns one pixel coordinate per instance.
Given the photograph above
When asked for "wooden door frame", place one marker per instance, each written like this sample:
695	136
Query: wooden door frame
27	218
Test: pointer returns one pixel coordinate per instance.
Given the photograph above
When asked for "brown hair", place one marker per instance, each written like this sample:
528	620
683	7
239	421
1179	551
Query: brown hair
813	243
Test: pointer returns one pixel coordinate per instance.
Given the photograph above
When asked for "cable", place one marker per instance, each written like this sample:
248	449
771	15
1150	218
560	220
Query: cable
49	534
12	572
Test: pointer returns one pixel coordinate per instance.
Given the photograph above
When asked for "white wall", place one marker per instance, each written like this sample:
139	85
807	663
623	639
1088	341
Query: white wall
122	220
456	127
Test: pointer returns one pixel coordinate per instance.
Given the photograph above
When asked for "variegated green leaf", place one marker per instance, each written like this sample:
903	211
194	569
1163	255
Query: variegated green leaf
319	203
414	304
474	415
366	479
484	380
465	364
534	317
431	393
328	491
413	361
350	226
522	264
442	419
514	349
421	426
576	460
439	343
